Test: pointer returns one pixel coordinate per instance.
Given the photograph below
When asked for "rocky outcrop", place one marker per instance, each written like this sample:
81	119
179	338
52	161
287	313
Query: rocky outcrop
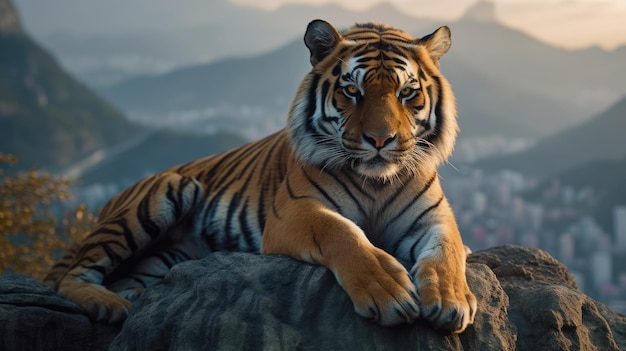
232	301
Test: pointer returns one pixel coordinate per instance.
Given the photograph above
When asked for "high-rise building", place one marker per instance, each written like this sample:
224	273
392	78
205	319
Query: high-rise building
619	228
601	269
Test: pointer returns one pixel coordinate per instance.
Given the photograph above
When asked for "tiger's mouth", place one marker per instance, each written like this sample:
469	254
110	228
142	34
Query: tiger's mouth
376	167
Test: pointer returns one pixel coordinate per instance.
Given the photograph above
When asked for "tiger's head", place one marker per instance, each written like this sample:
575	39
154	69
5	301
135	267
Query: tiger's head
374	101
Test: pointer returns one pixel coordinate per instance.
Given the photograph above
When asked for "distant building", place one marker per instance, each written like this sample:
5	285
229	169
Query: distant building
619	219
567	245
601	269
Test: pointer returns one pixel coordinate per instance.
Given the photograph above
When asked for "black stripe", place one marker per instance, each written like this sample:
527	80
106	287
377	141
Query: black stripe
438	113
350	193
166	259
238	162
175	201
126	232
87	247
209	180
426	123
394	59
410	203
232	207
311	104
411	231
421	74
264	180
325	117
359	187
143	212
113	255
246	230
322	192
291	193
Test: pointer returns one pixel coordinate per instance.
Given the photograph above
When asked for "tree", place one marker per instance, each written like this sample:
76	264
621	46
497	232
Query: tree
35	225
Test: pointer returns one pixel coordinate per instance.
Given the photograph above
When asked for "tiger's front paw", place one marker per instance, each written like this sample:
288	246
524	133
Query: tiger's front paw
447	302
101	304
381	289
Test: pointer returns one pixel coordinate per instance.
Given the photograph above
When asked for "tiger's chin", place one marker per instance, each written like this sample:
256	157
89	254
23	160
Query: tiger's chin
377	168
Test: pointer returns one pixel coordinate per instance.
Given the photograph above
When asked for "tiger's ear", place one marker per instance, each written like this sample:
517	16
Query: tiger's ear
437	43
321	38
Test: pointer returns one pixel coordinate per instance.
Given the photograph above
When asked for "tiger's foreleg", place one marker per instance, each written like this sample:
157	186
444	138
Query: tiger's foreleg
132	221
439	273
378	285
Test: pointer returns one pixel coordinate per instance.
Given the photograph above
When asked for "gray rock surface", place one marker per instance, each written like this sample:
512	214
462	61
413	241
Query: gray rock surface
237	301
33	317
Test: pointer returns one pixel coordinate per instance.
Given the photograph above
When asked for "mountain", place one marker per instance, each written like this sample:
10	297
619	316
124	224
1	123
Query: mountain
200	31
9	21
47	118
483	67
159	150
600	138
581	80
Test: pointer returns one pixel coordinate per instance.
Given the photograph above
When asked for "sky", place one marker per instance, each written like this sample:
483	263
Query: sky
564	23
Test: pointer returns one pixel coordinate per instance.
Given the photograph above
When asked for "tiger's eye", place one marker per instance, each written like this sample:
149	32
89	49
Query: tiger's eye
406	93
351	90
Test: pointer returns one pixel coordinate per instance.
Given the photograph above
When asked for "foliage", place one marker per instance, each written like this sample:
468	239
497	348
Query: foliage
31	234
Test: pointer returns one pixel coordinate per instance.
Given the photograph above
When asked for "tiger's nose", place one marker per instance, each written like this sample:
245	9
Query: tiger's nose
378	141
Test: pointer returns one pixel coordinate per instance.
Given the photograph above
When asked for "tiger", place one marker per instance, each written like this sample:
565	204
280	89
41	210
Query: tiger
350	183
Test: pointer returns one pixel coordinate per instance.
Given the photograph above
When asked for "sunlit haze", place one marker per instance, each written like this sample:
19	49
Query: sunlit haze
571	24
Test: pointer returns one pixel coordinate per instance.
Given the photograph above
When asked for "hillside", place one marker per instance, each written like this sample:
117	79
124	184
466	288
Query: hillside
47	118
158	151
600	138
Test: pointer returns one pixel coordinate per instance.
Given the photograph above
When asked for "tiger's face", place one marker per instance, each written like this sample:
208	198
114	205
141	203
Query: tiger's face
374	102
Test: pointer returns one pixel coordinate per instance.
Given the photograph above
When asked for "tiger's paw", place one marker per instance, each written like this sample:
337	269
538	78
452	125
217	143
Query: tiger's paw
381	290
446	300
101	304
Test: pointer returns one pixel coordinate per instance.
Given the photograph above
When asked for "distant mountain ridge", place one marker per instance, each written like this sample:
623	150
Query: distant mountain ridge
9	21
506	82
102	60
46	117
158	151
600	139
50	120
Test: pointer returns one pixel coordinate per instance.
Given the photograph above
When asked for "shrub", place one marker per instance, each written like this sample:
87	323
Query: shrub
35	224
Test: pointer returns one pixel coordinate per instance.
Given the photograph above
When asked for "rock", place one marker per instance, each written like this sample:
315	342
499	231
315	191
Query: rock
546	306
272	302
231	301
34	317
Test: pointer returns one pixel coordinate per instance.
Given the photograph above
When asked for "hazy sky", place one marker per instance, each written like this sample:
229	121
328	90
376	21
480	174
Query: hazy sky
565	23
568	23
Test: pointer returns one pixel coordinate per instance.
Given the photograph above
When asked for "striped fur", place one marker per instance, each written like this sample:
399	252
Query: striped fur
350	184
